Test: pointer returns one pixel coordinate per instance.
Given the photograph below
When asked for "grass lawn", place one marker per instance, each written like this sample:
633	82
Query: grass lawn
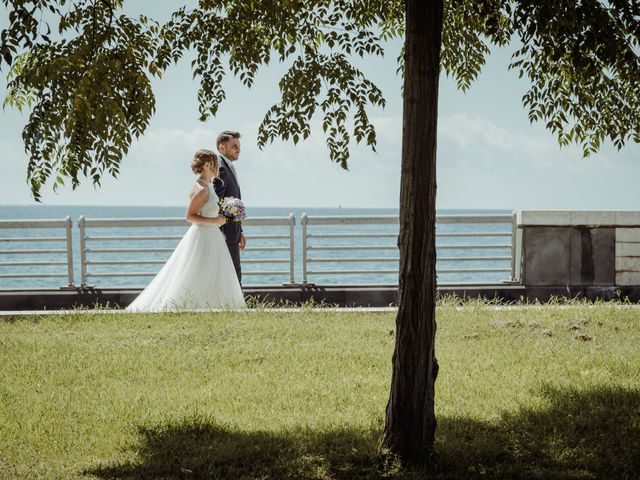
549	392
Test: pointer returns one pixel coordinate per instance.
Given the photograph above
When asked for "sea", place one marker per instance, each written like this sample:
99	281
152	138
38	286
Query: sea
336	267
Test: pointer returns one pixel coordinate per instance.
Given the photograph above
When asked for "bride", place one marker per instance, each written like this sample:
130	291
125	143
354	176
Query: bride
199	274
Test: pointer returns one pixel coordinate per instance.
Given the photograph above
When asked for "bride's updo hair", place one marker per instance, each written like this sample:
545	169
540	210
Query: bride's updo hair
202	157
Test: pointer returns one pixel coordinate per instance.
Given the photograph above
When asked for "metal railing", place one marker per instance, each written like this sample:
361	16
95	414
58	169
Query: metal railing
309	248
99	250
471	247
358	247
492	245
43	257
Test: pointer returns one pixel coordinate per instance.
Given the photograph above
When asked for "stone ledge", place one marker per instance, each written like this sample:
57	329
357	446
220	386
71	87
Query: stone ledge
565	218
345	296
340	295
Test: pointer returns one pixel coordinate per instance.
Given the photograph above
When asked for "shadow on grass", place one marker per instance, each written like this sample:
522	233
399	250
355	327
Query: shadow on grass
578	435
199	449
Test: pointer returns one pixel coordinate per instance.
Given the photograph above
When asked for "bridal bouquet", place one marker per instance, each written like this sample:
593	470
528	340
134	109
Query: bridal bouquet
232	208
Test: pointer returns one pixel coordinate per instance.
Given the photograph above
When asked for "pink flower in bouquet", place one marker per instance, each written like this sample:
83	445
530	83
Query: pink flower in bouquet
232	208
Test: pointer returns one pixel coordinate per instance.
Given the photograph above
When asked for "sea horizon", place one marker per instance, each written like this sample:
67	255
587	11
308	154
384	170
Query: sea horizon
249	207
23	205
60	212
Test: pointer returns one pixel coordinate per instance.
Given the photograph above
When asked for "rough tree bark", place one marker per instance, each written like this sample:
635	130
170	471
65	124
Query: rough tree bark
410	418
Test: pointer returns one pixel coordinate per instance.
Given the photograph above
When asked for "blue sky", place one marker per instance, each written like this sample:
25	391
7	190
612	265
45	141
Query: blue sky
489	156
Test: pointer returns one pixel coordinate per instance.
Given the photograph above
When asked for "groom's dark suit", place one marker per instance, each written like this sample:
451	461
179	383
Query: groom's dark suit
227	186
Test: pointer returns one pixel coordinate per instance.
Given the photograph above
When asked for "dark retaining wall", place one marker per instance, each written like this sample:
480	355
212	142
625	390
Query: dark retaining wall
340	295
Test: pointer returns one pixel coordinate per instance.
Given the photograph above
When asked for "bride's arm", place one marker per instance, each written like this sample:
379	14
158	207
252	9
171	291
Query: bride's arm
199	197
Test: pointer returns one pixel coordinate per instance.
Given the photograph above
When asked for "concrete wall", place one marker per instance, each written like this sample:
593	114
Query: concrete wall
579	248
334	295
627	256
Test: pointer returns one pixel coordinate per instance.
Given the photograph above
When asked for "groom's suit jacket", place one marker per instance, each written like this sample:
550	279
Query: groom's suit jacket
227	186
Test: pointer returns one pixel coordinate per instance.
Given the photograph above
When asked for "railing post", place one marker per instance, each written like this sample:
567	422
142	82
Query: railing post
292	224
515	248
83	252
69	225
303	221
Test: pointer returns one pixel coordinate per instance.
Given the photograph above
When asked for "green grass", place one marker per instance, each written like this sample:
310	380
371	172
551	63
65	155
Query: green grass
537	393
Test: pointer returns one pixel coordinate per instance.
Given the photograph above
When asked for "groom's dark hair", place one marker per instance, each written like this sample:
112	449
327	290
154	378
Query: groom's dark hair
226	136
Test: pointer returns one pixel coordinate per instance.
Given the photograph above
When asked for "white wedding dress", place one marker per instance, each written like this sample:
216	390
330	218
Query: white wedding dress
198	275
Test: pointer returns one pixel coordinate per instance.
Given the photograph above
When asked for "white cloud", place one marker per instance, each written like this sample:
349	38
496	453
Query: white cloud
169	147
467	140
485	165
481	164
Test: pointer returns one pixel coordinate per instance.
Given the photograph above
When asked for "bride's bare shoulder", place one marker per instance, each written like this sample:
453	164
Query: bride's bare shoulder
199	186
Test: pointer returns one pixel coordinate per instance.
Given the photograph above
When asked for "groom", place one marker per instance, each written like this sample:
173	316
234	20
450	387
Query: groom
228	144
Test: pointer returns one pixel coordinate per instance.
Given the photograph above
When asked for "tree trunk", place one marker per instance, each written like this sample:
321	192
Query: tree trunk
410	418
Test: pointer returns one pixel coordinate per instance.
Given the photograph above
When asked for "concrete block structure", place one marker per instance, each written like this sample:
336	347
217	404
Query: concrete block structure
578	249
